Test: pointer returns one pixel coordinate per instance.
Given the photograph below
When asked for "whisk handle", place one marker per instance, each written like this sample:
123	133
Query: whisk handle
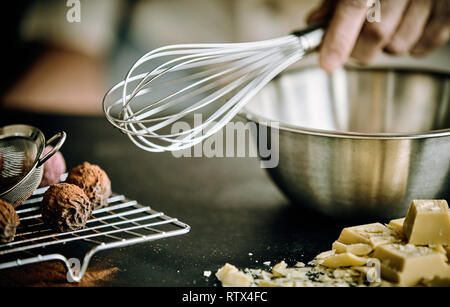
311	37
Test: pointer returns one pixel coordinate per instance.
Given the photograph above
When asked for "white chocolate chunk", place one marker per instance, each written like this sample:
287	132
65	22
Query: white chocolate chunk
266	275
397	224
374	234
343	260
230	276
360	250
339	247
427	222
409	264
227	268
326	254
357	249
279	269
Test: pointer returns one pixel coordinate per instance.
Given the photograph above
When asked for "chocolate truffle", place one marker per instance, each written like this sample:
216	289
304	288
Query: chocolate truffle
53	168
94	182
65	207
9	220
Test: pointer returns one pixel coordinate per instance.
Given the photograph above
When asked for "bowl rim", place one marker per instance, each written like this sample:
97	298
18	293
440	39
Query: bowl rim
262	120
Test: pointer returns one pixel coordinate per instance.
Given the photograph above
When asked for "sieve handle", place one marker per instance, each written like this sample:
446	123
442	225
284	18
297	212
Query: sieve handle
61	137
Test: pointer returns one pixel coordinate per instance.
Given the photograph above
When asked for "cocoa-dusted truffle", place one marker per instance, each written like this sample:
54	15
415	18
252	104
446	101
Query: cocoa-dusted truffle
65	207
9	220
53	168
94	182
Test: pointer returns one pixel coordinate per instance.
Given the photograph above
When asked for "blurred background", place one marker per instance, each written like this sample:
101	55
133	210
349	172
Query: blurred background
61	67
54	66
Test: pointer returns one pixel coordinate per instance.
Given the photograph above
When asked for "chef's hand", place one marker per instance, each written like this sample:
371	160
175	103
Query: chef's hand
407	26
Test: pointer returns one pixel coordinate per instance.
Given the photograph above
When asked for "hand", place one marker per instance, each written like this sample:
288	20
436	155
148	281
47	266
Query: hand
406	26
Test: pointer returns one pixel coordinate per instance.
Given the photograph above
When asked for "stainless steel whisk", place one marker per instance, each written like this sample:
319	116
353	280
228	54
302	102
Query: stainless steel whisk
189	79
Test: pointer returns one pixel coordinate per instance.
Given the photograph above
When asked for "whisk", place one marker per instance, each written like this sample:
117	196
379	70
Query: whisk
168	86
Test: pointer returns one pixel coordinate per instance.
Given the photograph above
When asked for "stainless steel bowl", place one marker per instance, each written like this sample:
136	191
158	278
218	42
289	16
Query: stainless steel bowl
359	143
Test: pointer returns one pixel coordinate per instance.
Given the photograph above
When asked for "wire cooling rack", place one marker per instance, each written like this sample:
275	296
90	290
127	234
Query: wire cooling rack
124	222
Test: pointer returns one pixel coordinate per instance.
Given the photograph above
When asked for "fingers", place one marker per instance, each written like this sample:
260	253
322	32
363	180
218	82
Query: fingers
321	13
375	35
411	27
342	33
437	30
415	26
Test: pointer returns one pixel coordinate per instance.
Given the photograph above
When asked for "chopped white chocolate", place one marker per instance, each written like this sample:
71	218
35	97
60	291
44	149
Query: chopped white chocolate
227	268
339	247
409	264
230	276
266	275
343	260
206	273
397	224
382	240
279	269
358	249
374	234
238	279
362	269
268	283
296	273
326	254
439	248
427	222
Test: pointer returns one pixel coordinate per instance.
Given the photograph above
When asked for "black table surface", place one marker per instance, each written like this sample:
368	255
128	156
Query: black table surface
236	213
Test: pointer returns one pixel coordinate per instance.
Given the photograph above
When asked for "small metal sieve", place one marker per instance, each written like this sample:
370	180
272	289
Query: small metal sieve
21	164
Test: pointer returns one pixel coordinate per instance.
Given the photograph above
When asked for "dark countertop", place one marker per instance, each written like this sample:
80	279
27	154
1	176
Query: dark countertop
231	204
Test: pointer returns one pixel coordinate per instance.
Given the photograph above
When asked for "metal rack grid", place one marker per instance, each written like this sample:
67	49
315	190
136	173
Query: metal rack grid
124	222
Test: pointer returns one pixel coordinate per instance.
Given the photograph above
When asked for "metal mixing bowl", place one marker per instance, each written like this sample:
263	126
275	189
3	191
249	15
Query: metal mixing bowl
360	143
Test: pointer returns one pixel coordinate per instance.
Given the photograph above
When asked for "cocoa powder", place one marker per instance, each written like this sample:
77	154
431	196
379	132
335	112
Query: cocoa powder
53	274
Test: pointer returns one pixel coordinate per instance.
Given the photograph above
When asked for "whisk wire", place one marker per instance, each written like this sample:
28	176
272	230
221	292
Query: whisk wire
250	63
190	141
195	79
205	101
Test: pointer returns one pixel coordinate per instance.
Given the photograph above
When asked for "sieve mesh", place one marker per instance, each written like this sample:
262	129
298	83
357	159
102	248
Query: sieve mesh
17	156
21	164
